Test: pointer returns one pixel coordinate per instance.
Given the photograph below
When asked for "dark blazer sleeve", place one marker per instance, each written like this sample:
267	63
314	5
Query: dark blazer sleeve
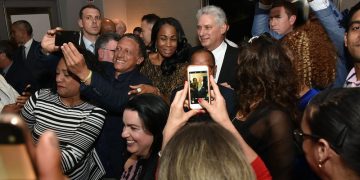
111	96
228	69
230	100
18	77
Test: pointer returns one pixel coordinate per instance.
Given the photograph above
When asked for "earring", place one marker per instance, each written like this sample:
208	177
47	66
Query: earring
320	164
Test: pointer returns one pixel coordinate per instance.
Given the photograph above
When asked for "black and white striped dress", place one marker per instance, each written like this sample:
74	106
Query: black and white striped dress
76	127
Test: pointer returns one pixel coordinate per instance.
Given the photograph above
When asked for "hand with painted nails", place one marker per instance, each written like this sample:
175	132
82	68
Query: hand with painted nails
217	107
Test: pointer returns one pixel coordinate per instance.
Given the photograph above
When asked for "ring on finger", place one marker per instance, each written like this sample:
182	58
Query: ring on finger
138	90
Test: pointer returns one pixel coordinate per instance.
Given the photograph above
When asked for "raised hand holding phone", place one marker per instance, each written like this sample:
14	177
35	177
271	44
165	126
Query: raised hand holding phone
177	116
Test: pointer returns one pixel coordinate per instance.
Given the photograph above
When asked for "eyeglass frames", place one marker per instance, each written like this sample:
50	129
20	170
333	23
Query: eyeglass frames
112	50
299	136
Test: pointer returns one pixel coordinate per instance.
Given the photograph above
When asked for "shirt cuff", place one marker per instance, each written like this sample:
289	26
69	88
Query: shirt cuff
263	6
317	5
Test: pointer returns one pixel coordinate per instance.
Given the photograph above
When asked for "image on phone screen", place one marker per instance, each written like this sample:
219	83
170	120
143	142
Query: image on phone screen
198	86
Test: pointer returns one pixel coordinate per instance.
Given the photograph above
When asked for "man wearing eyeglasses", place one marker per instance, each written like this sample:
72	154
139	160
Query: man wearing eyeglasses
90	24
105	46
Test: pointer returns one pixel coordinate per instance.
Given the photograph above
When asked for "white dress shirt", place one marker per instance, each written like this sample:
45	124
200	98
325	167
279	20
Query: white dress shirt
27	46
219	54
90	46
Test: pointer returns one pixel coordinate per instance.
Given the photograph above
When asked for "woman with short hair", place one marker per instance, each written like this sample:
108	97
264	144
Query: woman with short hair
76	122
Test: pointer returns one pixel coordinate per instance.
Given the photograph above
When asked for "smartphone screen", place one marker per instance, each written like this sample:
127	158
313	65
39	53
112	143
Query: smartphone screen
198	78
15	161
67	36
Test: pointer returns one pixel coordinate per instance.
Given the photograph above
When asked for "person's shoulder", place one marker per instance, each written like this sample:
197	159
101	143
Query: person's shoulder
46	93
35	43
139	78
232	49
93	108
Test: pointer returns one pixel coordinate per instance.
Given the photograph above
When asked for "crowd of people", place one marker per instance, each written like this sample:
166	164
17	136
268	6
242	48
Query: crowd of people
282	103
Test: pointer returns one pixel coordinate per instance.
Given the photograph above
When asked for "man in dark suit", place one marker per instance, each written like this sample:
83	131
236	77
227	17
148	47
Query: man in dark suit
43	71
211	30
14	72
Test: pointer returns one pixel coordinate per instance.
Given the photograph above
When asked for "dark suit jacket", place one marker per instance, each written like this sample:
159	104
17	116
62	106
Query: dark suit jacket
18	77
111	94
41	68
228	69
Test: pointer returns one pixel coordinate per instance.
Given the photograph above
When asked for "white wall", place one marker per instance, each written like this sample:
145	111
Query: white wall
116	9
131	11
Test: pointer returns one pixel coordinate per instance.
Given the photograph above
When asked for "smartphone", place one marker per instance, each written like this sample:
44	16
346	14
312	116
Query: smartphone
198	78
67	36
16	161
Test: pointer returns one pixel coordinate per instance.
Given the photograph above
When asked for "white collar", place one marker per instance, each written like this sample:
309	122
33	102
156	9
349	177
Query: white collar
220	48
87	42
28	43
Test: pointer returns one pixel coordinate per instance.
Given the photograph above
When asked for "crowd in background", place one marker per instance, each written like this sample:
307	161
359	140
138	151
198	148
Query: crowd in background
283	103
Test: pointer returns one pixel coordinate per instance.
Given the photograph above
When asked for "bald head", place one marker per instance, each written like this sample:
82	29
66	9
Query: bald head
107	26
120	27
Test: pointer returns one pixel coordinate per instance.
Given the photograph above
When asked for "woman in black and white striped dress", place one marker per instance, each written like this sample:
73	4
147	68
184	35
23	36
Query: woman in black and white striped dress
76	123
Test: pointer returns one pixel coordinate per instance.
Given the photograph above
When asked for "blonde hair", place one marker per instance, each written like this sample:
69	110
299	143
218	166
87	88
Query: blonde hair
204	151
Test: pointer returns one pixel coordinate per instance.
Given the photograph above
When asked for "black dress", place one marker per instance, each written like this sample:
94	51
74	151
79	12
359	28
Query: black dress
268	130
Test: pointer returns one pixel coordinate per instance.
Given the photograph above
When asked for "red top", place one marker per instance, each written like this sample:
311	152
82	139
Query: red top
262	173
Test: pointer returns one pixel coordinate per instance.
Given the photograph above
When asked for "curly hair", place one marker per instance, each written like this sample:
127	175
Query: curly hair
265	74
314	55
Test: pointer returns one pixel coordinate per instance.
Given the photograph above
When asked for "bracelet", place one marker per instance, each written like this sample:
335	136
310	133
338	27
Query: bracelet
87	77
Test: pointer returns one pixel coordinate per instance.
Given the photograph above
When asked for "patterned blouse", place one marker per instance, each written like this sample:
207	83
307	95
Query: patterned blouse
165	83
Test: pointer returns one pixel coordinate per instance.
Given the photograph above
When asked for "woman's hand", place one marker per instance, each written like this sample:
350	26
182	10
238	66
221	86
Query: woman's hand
75	61
11	108
177	116
217	107
21	100
143	88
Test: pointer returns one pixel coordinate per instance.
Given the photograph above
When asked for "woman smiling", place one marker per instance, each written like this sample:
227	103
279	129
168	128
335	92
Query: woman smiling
144	119
165	66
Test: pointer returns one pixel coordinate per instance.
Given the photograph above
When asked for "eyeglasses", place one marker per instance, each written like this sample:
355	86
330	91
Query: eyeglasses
299	136
112	50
